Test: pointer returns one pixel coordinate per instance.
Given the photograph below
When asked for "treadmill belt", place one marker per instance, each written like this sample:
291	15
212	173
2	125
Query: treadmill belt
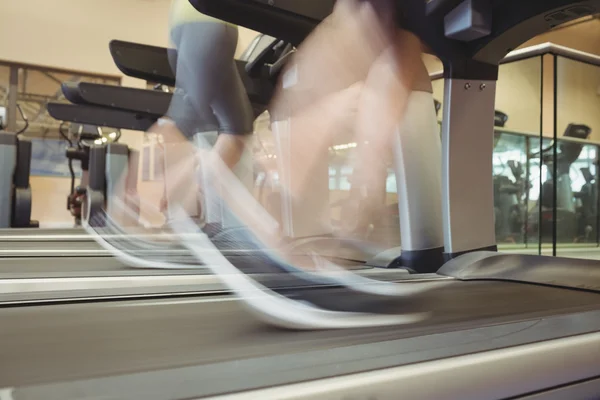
43	345
80	267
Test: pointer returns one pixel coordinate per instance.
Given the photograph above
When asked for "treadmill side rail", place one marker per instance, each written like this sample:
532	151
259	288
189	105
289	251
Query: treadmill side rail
552	271
497	361
499	374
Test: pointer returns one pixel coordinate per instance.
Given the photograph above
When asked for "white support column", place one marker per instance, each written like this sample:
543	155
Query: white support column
418	168
467	142
117	170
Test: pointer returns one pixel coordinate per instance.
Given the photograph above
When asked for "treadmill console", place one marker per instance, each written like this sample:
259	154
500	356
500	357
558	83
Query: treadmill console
313	9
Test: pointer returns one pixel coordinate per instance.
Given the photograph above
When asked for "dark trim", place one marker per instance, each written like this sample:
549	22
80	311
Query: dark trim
23	167
153	102
278	21
421	261
471	69
150	63
101	116
97	179
451	256
8	139
117	149
554	156
539	221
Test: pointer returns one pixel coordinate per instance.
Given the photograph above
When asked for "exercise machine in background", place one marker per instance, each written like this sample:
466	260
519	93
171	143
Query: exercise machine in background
15	169
90	146
109	169
558	203
587	208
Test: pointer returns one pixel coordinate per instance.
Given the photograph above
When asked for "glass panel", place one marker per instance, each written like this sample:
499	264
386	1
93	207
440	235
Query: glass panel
510	196
578	126
516	168
518	94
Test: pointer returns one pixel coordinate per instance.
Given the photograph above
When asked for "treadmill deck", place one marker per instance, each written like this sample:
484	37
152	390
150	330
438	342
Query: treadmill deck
49	344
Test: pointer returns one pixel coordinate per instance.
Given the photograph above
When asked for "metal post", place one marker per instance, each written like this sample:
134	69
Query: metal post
542	126
468	141
555	154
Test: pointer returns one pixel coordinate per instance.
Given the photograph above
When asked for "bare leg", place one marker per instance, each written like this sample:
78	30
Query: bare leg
315	103
230	148
393	76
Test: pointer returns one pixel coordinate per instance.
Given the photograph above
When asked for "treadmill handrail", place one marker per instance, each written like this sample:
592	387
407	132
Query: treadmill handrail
158	70
153	102
101	116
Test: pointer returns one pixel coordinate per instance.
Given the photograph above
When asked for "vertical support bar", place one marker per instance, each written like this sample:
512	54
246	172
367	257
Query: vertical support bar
22	196
527	190
542	126
132	196
467	186
11	107
555	153
596	192
117	169
212	208
95	199
418	169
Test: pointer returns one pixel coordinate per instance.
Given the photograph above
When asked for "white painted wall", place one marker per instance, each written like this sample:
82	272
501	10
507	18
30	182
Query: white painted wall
74	34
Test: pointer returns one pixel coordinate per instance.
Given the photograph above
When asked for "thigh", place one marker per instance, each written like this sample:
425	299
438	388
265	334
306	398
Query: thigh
202	48
337	55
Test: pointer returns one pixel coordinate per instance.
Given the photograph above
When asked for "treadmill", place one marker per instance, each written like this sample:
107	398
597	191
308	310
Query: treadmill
127	108
75	265
507	327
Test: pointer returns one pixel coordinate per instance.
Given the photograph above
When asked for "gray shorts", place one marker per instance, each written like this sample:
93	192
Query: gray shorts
210	94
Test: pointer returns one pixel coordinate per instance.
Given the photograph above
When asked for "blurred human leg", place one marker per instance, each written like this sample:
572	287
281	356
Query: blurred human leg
210	98
396	112
315	103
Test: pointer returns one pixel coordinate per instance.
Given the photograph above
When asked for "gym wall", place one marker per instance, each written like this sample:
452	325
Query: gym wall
578	95
74	34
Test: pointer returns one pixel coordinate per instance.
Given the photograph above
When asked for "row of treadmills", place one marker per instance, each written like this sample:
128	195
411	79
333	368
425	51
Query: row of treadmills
78	323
